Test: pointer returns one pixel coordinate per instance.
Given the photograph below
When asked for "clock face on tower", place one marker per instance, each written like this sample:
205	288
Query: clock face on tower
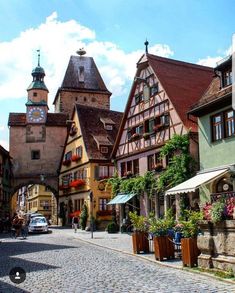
36	114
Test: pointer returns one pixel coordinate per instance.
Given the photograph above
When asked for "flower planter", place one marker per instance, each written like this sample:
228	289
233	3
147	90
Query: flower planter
66	162
163	247
75	158
190	251
77	183
140	242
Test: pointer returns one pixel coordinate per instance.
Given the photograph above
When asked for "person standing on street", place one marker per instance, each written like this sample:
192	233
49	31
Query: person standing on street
75	221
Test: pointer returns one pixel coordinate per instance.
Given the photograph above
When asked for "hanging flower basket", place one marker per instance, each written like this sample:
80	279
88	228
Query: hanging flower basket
66	162
158	127
75	158
146	135
77	183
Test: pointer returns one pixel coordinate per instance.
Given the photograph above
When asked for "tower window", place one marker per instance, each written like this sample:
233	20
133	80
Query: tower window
35	94
35	155
81	74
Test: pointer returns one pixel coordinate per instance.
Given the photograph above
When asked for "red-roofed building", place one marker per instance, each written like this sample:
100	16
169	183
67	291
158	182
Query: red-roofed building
160	97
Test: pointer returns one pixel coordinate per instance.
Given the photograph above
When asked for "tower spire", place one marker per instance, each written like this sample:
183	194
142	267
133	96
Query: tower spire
38	57
146	46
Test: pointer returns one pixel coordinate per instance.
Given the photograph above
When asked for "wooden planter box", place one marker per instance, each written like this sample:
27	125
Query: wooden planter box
140	242
190	251
163	247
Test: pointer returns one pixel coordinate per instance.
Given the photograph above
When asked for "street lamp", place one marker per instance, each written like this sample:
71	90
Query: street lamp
91	212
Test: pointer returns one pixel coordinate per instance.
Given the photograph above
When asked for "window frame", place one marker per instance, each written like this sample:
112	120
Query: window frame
34	156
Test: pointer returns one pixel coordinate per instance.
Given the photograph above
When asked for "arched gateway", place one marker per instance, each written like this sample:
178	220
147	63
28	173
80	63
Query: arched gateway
37	138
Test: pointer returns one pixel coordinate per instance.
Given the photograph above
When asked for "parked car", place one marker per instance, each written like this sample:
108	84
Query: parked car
38	224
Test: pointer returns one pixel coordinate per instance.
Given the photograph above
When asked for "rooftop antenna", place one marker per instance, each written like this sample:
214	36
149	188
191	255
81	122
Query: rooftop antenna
146	46
38	57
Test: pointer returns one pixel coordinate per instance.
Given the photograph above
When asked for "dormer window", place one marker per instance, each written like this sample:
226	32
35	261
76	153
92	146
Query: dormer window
81	74
108	123
108	127
104	150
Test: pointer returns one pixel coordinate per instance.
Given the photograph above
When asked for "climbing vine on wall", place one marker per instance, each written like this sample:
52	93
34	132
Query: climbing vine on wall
181	165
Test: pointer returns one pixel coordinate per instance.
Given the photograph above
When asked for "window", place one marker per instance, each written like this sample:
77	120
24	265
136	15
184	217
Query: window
104	150
150	162
111	171
103	204
229	123
164	119
139	129
138	98
146	93
81	74
79	151
35	94
227	78
68	156
154	89
136	166
75	175
123	169
129	166
35	155
217	127
149	126
108	127
103	171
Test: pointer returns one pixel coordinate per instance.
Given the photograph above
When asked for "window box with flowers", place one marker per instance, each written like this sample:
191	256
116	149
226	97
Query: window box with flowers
158	127
77	183
64	187
146	135
135	136
66	162
75	158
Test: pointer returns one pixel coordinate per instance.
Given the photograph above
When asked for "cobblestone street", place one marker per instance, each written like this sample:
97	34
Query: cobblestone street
60	262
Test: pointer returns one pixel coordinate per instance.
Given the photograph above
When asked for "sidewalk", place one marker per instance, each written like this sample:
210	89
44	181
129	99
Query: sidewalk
121	242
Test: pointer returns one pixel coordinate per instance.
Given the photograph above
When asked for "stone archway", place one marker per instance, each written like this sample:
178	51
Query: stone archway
52	205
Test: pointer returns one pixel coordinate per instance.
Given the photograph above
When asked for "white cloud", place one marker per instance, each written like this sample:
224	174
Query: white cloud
209	61
5	144
2	127
57	41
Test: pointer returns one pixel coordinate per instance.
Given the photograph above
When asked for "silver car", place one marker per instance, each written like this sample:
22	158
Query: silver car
38	224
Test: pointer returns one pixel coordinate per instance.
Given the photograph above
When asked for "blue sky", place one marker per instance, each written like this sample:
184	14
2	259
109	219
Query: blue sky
113	32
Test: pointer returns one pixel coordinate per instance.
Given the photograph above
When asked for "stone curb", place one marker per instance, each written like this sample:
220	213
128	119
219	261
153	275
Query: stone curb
158	262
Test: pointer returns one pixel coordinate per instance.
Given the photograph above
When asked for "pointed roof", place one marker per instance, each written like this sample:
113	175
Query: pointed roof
93	130
183	82
38	74
92	78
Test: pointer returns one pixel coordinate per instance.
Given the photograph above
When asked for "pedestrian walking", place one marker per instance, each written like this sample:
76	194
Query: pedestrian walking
24	228
75	222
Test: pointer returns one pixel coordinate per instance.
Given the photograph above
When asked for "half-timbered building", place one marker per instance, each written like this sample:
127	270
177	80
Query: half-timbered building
161	94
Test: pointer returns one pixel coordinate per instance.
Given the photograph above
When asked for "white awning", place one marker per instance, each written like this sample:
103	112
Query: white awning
193	183
121	198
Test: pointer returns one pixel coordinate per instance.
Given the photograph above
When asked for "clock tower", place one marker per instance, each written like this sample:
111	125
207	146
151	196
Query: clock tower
36	105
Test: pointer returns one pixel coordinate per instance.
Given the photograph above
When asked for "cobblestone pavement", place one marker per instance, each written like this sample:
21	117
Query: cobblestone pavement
60	262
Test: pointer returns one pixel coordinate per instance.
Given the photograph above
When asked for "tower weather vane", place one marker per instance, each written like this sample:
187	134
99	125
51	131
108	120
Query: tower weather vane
38	57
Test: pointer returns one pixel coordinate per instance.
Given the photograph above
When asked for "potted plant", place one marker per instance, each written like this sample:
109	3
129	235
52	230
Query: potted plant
146	135
190	229
162	240
140	233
